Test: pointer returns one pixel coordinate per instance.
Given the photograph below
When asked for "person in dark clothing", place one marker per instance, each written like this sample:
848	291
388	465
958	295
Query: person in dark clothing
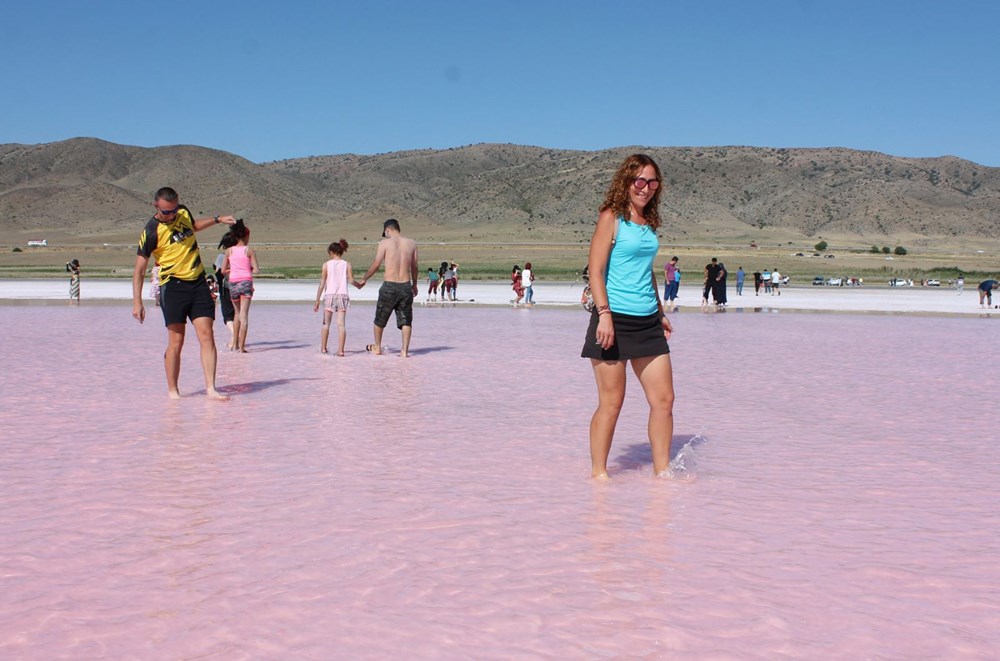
711	272
757	280
719	285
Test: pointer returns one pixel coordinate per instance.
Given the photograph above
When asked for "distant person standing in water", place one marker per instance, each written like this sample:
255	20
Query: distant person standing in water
527	278
333	281
169	238
627	323
775	283
433	280
225	298
515	284
73	267
240	266
719	292
740	277
454	281
986	288
399	254
757	280
767	281
668	278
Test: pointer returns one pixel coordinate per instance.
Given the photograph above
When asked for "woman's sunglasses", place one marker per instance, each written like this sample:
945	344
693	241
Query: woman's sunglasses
642	182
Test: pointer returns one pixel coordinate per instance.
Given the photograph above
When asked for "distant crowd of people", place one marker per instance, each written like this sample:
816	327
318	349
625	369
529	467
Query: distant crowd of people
445	279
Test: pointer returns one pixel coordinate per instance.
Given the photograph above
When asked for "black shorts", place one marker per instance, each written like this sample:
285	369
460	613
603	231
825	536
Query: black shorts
398	297
635	337
181	300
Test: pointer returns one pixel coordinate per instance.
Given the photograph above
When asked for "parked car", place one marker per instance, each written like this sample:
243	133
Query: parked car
933	283
829	256
900	282
835	282
819	281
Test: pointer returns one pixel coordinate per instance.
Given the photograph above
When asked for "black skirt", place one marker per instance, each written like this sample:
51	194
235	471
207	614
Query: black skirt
635	337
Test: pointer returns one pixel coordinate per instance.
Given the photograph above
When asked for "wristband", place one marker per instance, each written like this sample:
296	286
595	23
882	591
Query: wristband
603	308
216	219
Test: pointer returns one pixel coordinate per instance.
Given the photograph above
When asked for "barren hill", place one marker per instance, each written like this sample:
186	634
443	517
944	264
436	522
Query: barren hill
86	189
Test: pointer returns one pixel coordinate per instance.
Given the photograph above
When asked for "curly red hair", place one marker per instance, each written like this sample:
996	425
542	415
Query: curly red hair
617	199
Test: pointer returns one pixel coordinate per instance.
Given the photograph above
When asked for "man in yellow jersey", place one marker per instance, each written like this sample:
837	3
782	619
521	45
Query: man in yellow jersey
184	292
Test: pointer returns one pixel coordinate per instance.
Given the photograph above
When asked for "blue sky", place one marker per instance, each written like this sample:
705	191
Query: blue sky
269	80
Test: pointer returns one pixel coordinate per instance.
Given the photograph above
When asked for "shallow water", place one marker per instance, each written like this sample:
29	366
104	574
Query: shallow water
838	498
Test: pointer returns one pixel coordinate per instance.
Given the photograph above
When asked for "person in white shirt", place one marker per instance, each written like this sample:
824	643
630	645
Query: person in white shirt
527	277
775	283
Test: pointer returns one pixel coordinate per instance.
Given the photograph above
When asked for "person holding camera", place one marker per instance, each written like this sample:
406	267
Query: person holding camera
184	294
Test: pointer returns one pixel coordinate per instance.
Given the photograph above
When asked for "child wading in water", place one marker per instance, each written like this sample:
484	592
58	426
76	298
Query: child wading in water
333	281
239	267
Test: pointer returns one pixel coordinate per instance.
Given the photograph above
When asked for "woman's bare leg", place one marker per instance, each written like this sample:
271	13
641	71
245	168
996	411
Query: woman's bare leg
656	375
610	377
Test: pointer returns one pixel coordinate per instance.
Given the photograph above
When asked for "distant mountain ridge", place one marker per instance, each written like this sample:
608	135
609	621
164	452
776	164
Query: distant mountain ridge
86	187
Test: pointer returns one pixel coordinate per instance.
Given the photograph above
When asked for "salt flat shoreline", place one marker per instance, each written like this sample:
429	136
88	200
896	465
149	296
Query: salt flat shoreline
870	299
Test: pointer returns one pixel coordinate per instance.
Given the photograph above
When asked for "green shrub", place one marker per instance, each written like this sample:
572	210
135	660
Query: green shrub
900	250
875	250
886	250
16	249
821	246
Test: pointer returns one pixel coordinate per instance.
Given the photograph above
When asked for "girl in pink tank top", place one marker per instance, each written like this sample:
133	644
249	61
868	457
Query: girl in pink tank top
240	265
333	288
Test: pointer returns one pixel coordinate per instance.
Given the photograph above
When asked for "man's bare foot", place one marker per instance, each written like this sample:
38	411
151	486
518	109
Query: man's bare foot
243	350
373	349
403	354
340	353
216	395
173	394
600	476
323	350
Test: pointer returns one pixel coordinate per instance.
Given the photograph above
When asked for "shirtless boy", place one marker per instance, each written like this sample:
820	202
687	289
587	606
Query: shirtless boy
399	285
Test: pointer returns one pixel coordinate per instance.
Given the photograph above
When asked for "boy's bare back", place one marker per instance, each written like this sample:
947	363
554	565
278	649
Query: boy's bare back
399	255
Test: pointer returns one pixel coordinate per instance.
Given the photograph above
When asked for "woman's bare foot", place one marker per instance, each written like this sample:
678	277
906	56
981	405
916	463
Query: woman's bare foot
340	353
600	476
216	395
173	394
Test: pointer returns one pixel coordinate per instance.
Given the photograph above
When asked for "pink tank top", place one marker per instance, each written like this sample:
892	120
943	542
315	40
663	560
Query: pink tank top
336	277
240	268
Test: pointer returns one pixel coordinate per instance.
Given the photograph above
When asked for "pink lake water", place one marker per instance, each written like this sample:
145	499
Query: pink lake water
835	493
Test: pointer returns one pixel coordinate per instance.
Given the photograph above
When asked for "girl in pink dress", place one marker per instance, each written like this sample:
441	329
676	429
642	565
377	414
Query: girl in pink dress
240	265
333	281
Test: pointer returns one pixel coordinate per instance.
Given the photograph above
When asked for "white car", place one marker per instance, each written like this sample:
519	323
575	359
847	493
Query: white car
933	283
835	282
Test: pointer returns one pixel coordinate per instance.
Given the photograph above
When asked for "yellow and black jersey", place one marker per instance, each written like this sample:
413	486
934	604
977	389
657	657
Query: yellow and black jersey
173	246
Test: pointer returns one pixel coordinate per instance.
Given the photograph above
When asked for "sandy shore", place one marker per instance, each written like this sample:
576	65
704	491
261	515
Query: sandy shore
916	300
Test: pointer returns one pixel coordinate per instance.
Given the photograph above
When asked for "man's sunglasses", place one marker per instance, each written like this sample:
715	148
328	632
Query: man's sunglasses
168	212
642	182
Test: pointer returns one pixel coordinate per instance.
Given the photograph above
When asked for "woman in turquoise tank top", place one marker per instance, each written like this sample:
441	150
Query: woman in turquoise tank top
627	323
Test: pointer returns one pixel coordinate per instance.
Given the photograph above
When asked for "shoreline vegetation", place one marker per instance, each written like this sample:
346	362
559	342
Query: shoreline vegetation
553	261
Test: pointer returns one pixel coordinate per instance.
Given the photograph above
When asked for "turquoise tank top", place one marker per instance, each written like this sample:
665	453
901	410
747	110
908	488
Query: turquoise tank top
629	278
